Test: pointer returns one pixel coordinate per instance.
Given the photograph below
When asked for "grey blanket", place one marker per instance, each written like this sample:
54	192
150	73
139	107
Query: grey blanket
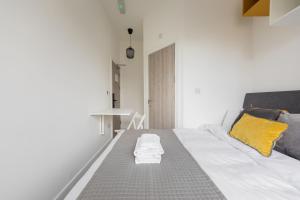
177	177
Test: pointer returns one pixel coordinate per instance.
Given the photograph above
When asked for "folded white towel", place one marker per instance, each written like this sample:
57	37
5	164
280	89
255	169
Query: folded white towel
140	160
148	156
148	149
149	140
141	150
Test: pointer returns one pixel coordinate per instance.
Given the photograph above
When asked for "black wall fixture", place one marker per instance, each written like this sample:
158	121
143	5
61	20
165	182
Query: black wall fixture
130	50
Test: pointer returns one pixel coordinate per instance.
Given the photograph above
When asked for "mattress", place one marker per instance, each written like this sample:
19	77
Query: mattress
236	170
177	177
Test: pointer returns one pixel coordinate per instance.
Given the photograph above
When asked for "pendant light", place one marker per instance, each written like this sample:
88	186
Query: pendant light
130	50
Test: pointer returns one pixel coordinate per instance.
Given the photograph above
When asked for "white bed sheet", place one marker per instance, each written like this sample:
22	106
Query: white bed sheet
238	170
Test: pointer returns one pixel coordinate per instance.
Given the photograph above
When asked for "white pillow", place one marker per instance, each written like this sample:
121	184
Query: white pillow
230	117
220	133
216	130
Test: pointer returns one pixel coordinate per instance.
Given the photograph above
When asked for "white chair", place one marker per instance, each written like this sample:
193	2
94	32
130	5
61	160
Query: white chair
137	123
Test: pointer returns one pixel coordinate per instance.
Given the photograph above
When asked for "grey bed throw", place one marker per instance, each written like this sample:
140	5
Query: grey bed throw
178	177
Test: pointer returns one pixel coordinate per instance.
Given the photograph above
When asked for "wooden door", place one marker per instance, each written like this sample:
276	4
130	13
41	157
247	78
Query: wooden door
162	88
116	95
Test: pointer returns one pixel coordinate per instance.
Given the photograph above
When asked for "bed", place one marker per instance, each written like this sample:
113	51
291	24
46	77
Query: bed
202	163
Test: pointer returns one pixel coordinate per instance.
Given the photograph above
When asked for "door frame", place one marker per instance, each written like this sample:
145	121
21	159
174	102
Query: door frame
116	120
112	81
178	82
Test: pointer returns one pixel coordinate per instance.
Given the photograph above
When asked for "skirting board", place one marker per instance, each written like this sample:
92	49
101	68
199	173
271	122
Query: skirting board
63	193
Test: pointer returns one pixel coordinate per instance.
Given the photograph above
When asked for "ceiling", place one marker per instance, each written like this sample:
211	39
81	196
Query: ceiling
135	11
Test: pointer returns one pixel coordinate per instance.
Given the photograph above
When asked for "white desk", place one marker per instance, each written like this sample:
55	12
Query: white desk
109	112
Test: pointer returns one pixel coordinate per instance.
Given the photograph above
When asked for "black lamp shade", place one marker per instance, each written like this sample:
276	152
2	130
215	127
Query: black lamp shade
130	53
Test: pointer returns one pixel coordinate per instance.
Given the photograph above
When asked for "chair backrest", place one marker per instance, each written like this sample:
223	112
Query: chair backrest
140	125
137	121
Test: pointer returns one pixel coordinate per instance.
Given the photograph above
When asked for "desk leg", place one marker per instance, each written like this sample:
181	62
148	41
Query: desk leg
105	125
101	125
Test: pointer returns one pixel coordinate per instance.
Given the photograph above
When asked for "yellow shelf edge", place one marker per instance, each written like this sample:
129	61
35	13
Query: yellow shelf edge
260	8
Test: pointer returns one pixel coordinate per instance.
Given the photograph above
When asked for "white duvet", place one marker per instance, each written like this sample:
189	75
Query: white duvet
238	170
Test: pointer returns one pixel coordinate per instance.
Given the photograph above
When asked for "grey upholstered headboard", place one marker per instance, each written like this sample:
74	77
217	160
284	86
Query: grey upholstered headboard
288	100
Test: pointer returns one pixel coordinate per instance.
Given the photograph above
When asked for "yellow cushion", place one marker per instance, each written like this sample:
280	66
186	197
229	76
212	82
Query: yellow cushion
258	133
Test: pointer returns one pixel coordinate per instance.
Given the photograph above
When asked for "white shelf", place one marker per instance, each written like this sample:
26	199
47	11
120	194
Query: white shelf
109	112
112	112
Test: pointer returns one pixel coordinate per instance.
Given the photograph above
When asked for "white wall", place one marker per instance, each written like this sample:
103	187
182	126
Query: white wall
276	57
163	26
132	84
55	58
213	54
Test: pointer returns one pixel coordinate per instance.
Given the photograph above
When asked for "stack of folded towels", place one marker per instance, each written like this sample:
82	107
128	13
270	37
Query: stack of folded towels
148	149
